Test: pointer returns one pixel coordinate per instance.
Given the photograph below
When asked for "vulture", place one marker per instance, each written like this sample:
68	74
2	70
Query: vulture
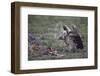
71	37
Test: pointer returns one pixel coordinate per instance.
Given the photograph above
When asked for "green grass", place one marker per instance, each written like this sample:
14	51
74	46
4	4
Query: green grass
47	28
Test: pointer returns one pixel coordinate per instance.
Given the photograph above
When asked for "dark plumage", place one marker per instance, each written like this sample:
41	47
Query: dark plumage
77	40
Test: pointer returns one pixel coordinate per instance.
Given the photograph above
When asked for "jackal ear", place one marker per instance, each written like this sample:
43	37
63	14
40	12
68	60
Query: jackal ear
66	28
75	28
